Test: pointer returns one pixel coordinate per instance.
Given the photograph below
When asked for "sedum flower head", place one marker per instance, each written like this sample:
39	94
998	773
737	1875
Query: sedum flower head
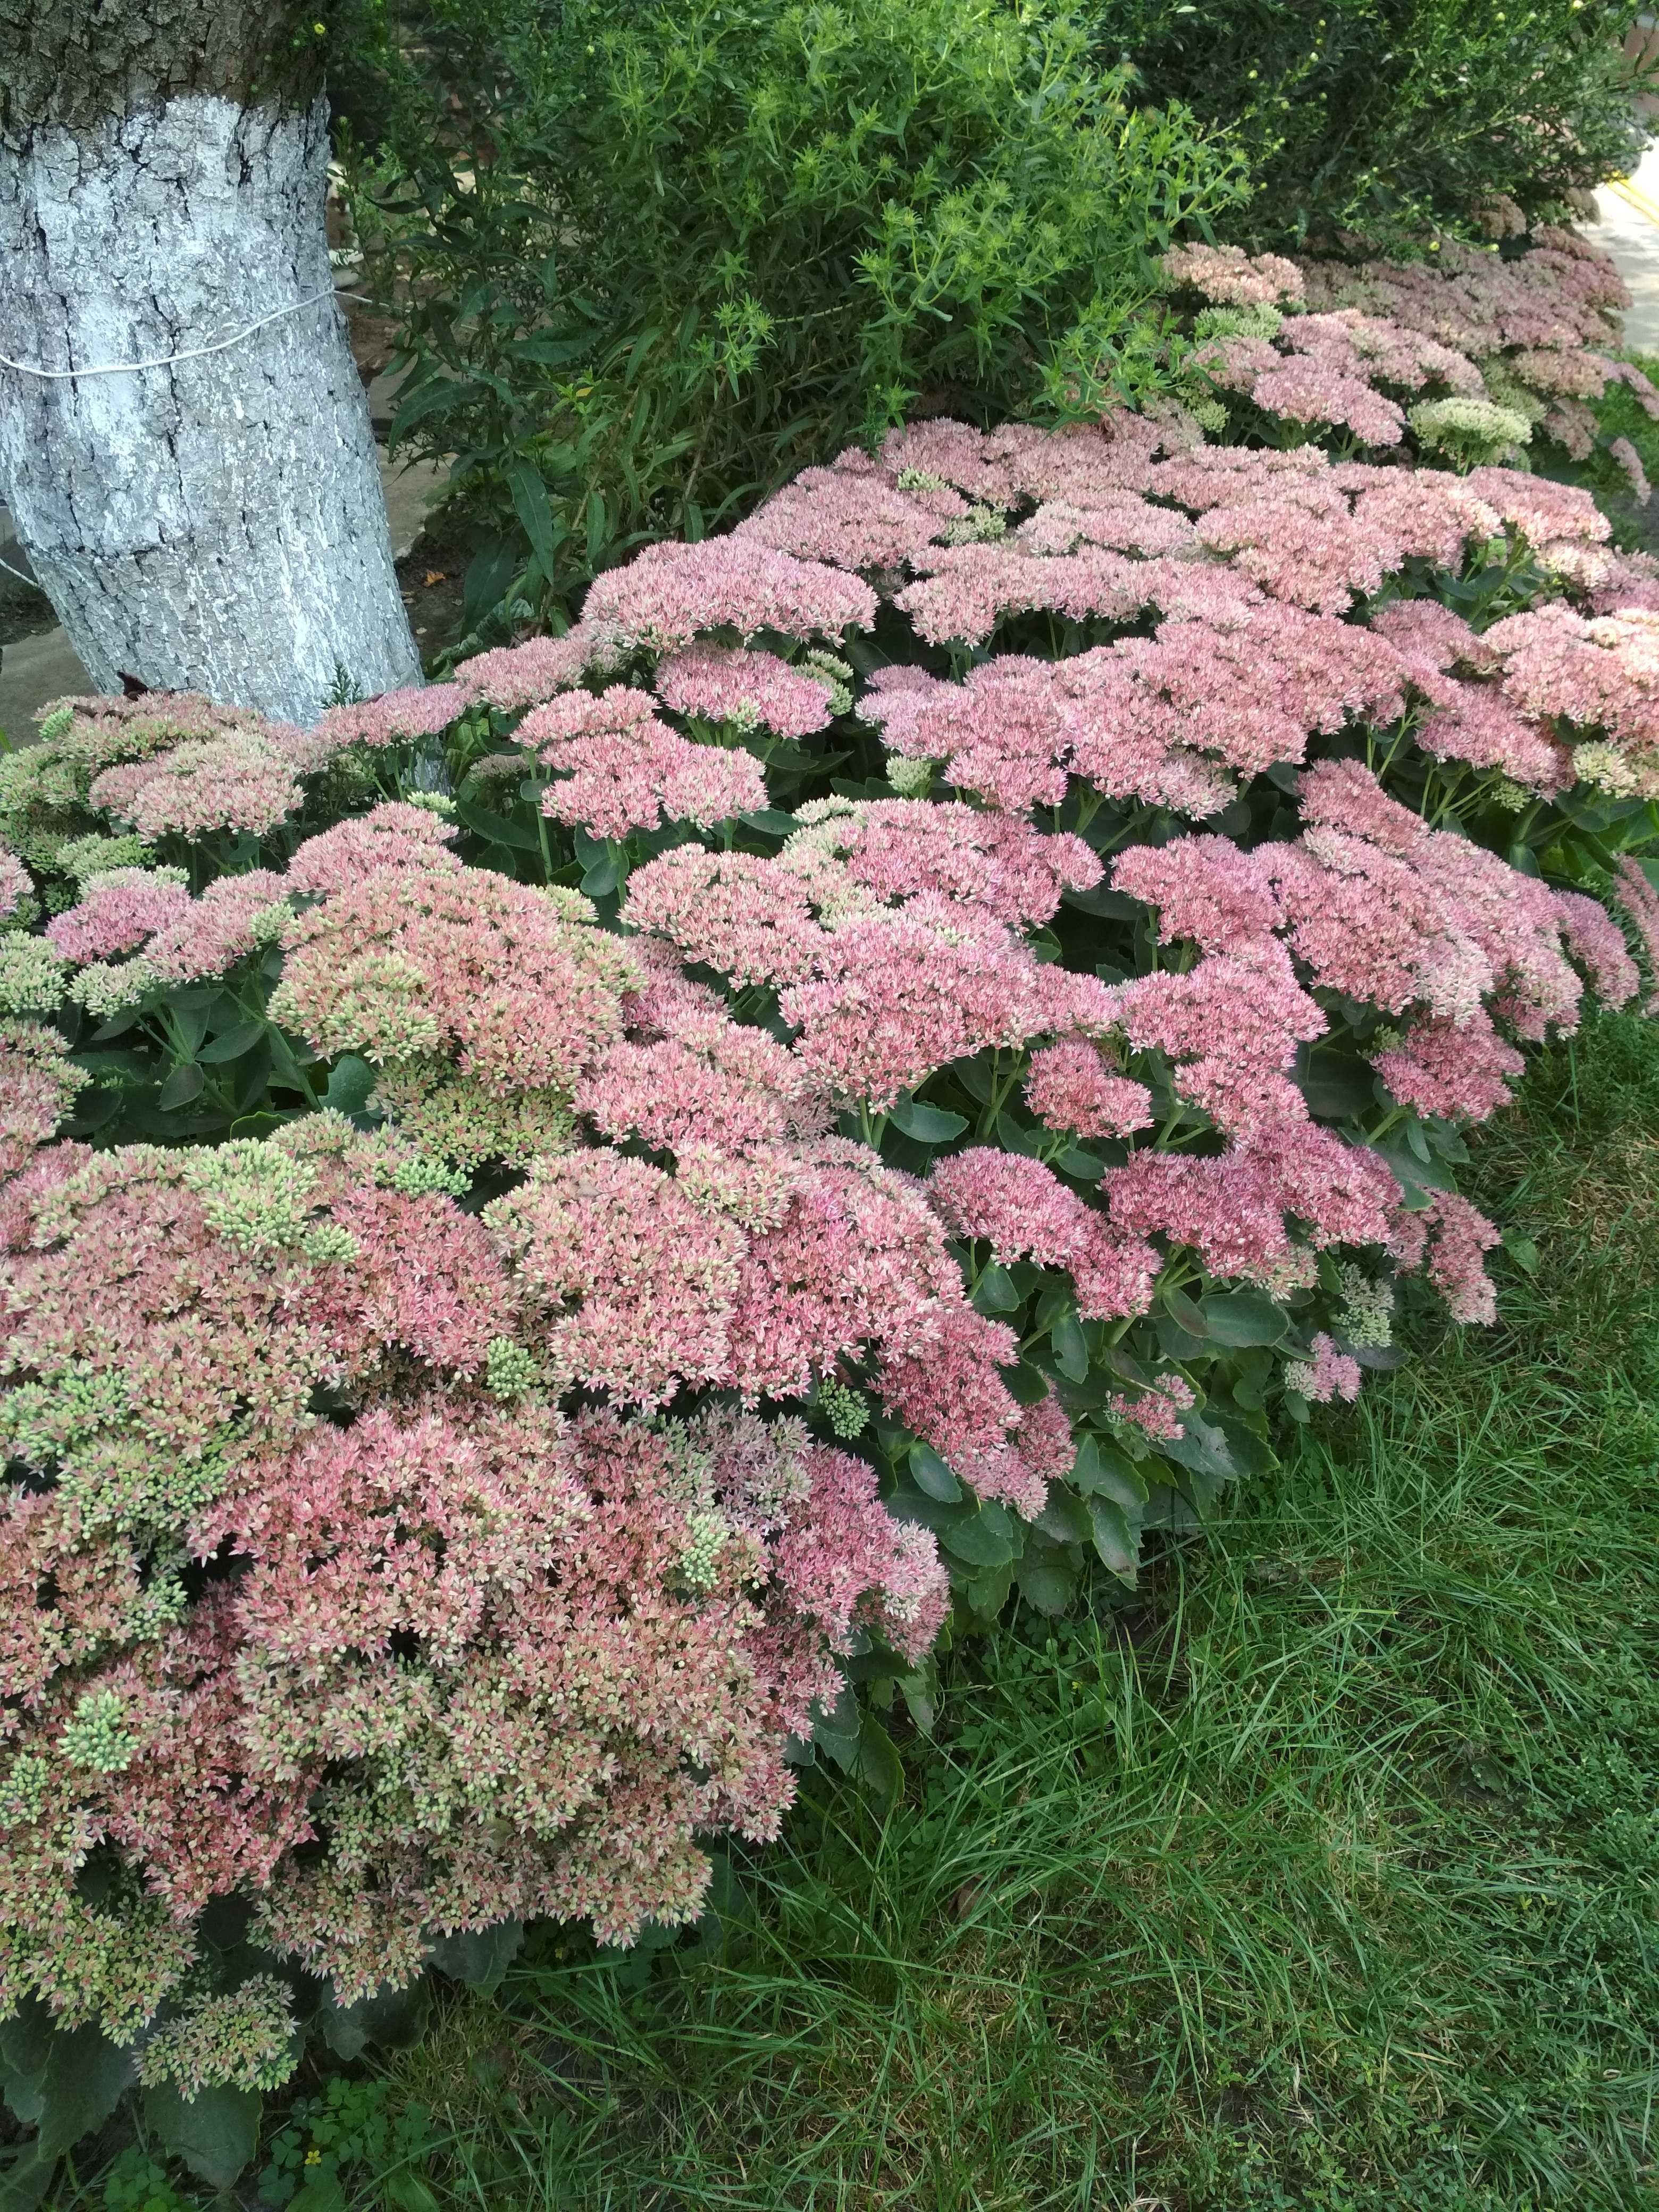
31	975
243	2039
97	1736
1471	430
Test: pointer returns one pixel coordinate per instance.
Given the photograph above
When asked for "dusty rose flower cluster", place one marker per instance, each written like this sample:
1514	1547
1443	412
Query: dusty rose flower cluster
1070	1080
1515	342
440	1659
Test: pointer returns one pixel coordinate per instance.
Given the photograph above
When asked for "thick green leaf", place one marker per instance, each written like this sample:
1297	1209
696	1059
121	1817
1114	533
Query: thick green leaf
928	1125
322	2193
216	2133
350	1083
1202	1450
1521	1250
1117	904
1117	1543
407	2192
25	2178
1047	1581
495	829
1084	1166
606	875
478	1959
184	1084
995	1292
231	1043
770	821
982	1539
879	1766
190	1012
1071	1348
1185	1313
84	2078
836	1732
988	1593
25	2049
1238	1318
531	505
393	2019
1064	1517
1337	1085
931	1476
1104	1471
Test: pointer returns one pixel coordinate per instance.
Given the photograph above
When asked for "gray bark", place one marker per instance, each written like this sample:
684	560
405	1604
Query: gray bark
215	525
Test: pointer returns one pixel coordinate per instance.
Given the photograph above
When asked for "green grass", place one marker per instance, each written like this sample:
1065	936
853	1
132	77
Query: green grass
1322	1874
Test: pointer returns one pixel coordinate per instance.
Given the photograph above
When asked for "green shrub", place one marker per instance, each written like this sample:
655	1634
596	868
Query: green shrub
650	268
1388	116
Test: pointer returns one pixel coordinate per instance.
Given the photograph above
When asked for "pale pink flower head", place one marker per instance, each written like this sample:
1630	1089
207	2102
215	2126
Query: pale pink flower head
238	781
419	711
1474	722
117	915
1428	635
668	594
1018	1206
16	883
1461	1070
391	835
623	768
1596	942
636	1283
1462	1236
1311	391
846	1563
976	462
1233	278
853	517
38	1085
748	917
233	917
1069	1086
453	962
951	1394
1634	894
1156	1410
1204	888
1325	1374
513	676
908	992
850	853
725	683
1230	1027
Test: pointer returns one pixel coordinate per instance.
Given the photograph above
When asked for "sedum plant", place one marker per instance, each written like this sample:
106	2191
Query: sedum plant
870	1074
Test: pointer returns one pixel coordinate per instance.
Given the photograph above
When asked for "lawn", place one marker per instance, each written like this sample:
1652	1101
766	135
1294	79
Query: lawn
1319	1872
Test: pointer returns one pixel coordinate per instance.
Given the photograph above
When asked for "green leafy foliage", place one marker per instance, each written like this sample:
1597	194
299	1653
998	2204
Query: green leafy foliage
1391	117
831	213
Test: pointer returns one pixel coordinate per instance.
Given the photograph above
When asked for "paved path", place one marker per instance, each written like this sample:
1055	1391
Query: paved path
1628	228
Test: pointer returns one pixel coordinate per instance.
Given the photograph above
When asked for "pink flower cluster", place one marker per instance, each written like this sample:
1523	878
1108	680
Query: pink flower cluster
1230	277
420	711
474	1663
670	594
621	768
730	685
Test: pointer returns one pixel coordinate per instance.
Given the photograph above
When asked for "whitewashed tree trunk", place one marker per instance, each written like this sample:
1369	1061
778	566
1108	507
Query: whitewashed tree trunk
216	525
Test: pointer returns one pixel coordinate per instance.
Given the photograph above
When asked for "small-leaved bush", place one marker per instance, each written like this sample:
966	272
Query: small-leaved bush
650	263
557	1223
1389	118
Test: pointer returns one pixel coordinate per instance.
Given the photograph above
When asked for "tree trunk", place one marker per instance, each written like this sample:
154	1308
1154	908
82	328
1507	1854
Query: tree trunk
215	524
